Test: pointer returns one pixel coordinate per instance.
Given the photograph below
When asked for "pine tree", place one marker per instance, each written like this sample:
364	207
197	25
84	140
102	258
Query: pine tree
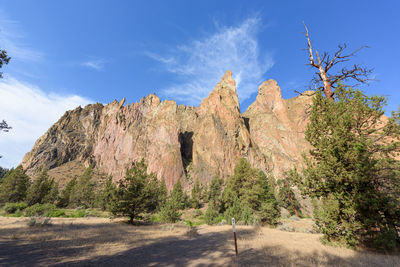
196	195
66	193
43	190
107	195
169	213
352	169
248	189
178	196
212	213
83	194
287	197
162	193
14	186
135	193
215	189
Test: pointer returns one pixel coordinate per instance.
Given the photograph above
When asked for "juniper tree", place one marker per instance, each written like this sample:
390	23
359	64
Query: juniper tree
107	195
196	195
43	190
66	193
14	186
352	169
135	193
179	196
83	194
248	189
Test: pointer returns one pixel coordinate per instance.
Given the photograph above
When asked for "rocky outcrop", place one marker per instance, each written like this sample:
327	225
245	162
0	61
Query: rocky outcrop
179	141
277	126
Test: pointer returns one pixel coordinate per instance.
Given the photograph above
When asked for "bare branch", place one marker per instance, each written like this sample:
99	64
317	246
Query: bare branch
4	126
304	93
312	63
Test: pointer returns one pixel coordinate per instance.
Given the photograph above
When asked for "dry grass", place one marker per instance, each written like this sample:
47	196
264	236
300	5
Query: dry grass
105	242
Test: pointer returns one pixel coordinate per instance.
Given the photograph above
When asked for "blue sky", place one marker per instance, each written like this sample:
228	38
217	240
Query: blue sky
70	53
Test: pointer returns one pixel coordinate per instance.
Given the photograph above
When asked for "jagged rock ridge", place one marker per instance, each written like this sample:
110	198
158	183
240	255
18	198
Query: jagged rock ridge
179	141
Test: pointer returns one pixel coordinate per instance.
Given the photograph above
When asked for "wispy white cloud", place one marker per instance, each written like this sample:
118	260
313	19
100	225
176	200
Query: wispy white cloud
97	64
12	40
30	111
200	64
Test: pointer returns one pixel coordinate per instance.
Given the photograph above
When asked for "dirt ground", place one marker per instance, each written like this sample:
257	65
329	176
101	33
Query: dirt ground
105	242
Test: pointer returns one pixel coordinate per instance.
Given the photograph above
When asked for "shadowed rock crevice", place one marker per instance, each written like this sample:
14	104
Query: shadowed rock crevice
186	142
246	123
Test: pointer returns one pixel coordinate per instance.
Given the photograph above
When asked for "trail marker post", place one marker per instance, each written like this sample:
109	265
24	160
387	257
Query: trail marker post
234	234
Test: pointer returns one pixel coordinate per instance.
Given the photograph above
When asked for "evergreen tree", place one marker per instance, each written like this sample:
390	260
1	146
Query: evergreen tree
178	196
248	190
66	193
287	199
352	169
152	190
196	195
107	195
212	213
43	190
214	192
162	193
84	192
14	186
133	195
268	210
169	213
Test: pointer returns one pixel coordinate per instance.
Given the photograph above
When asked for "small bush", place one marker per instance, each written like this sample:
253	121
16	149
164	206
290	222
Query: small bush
77	214
211	214
14	207
40	210
198	213
156	218
385	239
169	213
55	213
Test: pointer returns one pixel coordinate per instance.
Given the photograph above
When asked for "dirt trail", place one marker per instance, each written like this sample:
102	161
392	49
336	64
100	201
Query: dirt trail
102	242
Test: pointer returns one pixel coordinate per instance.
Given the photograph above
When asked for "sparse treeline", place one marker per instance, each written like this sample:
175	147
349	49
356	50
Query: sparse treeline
248	195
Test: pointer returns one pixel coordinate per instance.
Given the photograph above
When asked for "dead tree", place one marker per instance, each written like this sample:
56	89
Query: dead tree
323	79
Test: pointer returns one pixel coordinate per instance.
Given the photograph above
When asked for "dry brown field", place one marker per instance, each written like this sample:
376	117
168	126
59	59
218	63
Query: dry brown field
106	242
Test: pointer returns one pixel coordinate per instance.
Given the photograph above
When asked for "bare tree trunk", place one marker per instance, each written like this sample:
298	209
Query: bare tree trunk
327	85
291	199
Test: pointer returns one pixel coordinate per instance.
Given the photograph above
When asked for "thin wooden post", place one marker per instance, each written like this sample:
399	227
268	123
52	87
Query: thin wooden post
234	235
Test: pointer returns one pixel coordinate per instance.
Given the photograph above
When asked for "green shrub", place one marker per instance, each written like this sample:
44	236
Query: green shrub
211	213
40	210
14	207
198	213
248	196
155	218
14	186
55	213
169	213
385	239
77	214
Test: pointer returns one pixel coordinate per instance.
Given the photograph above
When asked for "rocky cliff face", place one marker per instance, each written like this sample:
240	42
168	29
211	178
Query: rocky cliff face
179	141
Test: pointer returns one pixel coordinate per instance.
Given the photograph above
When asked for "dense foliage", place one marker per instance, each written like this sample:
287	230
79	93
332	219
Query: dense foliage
137	193
195	197
14	186
287	198
352	171
83	193
247	197
43	190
